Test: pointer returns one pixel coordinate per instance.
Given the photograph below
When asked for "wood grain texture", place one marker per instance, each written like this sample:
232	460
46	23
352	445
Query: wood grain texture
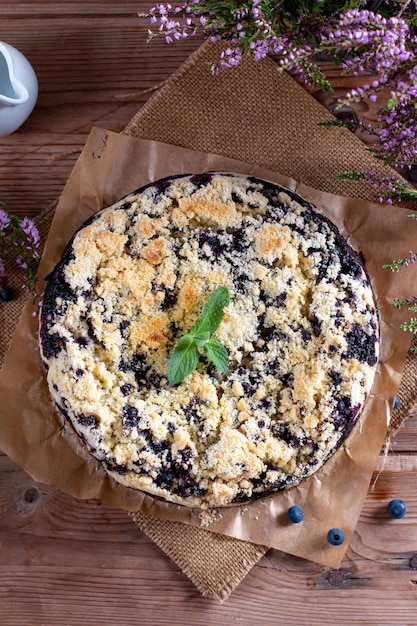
65	562
86	55
94	67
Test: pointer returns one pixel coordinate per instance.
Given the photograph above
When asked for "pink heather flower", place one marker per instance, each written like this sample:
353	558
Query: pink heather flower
24	236
4	220
362	40
30	230
21	263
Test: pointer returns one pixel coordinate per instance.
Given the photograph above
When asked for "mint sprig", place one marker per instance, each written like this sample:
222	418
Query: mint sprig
187	351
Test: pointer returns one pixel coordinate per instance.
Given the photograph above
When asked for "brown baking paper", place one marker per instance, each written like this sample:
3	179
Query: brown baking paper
37	439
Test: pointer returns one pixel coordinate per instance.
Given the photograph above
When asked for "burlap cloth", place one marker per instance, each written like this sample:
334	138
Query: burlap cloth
260	116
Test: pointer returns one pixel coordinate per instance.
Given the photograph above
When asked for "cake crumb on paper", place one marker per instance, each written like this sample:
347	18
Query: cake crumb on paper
208	517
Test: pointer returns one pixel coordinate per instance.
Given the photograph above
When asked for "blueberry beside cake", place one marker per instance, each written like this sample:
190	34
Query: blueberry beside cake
301	331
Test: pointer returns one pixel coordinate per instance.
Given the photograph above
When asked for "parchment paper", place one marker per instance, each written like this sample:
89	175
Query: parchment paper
37	439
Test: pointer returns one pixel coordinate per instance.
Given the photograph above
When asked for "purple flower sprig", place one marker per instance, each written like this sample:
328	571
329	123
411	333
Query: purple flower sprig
386	48
395	265
411	325
24	236
376	38
410	304
257	28
387	188
372	42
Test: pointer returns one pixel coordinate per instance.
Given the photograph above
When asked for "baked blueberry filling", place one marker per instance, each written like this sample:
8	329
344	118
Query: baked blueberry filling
123	327
217	244
86	420
53	344
137	365
344	415
361	345
201	180
112	466
82	341
126	389
170	298
130	417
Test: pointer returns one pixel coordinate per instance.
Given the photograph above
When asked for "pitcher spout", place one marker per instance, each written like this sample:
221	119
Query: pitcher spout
18	88
11	89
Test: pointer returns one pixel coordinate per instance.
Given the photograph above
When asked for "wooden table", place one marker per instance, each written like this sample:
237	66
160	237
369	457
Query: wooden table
66	562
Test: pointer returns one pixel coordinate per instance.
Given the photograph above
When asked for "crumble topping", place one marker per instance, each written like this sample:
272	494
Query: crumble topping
301	331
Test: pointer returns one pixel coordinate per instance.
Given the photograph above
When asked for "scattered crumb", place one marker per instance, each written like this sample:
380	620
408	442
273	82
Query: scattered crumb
208	517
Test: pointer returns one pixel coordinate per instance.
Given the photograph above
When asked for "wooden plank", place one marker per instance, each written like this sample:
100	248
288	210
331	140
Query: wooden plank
405	439
84	562
70	64
76	9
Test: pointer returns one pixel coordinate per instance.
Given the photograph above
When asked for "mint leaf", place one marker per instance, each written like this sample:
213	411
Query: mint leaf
201	338
212	313
183	359
187	351
217	354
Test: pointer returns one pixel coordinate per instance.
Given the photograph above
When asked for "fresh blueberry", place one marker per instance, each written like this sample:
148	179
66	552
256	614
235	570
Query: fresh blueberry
335	536
396	402
295	514
6	294
396	509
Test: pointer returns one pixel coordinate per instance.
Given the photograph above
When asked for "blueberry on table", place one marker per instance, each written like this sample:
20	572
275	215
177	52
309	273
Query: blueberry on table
295	514
335	536
396	509
396	402
6	294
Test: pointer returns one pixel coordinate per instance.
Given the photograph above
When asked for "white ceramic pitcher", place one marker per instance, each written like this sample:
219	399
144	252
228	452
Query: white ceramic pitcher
18	89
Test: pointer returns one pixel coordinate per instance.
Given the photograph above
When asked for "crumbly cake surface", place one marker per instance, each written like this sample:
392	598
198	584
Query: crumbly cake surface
301	330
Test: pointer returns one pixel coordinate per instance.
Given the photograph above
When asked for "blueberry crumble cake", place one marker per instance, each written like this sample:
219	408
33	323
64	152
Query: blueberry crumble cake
301	332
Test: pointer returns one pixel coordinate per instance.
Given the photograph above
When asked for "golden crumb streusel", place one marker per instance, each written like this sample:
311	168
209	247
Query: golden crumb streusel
301	331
